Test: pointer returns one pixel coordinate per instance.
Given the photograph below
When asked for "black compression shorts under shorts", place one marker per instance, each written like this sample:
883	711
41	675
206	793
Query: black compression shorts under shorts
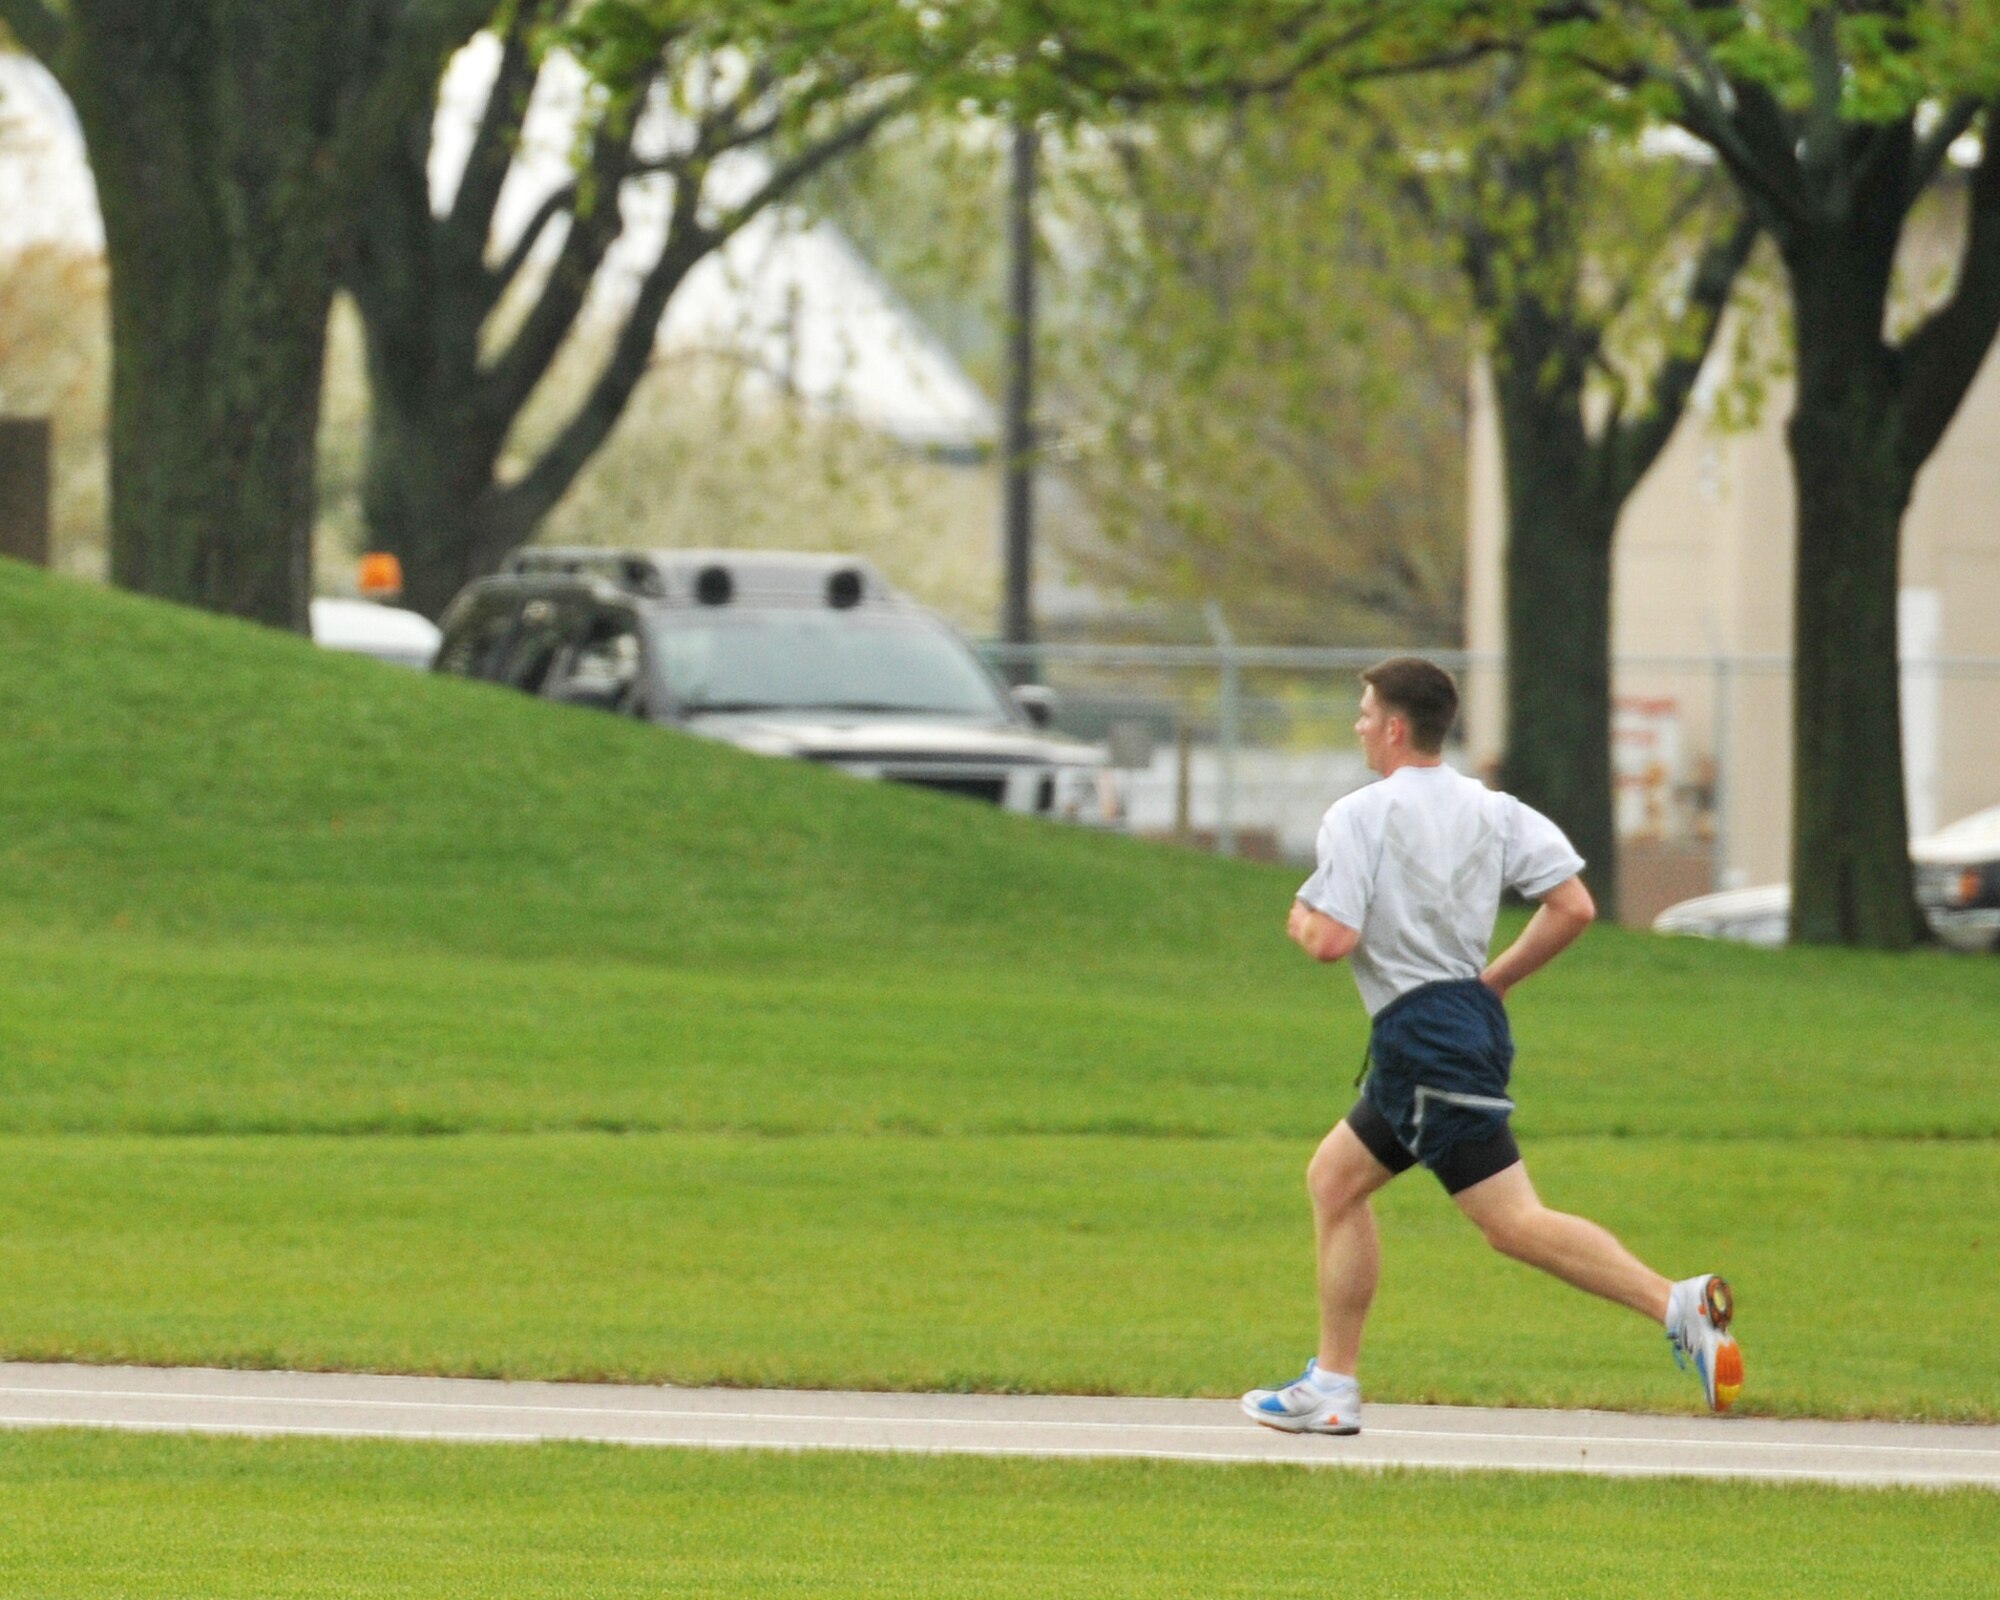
1460	1167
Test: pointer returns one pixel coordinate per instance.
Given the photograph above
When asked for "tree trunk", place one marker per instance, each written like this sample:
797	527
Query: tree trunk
206	138
430	490
1558	581
430	496
218	315
228	139
1851	880
214	418
421	491
430	451
441	405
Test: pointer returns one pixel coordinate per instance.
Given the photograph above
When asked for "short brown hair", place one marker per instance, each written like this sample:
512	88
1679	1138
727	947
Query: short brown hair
1421	692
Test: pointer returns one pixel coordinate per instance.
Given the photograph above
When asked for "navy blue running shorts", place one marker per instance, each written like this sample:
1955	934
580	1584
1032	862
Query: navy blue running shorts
1439	1058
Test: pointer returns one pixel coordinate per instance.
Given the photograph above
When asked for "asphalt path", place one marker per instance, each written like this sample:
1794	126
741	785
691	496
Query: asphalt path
1616	1444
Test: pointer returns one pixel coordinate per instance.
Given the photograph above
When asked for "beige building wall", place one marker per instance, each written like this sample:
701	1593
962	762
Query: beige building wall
1702	622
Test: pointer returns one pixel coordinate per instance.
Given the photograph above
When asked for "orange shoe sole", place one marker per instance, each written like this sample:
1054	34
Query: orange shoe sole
1728	1375
1719	1307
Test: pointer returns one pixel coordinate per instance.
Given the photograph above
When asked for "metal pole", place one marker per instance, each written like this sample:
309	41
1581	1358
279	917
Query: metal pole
1232	693
1017	624
1183	768
1719	791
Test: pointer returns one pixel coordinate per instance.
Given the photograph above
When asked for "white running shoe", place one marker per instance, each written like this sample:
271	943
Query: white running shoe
1310	1403
1698	1316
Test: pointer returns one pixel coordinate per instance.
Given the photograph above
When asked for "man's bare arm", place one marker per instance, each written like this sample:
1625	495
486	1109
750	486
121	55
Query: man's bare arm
1565	911
1318	934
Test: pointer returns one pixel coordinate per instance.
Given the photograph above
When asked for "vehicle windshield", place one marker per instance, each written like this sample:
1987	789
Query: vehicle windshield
822	661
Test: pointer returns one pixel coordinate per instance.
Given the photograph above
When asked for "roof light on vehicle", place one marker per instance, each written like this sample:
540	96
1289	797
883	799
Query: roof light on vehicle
379	576
843	589
641	576
713	586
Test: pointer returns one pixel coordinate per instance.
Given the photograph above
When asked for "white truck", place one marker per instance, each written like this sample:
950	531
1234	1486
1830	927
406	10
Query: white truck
790	654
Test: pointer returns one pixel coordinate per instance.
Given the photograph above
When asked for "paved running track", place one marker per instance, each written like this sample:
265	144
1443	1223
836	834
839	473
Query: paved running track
201	1400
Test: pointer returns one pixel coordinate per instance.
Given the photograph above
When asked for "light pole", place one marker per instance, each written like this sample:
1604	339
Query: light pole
1017	623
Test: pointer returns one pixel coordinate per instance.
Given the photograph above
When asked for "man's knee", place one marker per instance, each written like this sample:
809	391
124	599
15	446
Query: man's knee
1511	1233
1335	1180
1519	1229
1505	1209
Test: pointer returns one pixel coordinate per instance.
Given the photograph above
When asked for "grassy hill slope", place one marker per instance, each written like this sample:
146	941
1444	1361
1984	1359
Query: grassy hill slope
249	884
180	772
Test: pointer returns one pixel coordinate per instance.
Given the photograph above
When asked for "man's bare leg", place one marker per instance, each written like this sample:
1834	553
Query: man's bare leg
1516	1223
1341	1177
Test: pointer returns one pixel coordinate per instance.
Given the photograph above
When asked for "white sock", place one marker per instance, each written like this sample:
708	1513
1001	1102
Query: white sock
1330	1381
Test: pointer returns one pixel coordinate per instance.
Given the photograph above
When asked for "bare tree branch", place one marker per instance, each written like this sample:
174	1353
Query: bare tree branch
1942	357
524	502
790	174
1684	208
521	504
1878	169
1739	121
725	129
512	377
1755	145
410	54
721	127
1411	183
721	134
557	203
1821	147
1637	445
1712	82
466	228
1933	148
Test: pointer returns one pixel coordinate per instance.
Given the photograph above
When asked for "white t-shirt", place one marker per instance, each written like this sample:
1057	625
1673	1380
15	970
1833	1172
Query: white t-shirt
1415	864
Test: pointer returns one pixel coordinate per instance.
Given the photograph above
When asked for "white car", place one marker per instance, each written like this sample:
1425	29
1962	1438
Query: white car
784	653
1958	887
1958	881
388	633
1748	916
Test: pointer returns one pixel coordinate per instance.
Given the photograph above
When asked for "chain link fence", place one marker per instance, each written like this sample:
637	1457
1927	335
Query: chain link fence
1240	748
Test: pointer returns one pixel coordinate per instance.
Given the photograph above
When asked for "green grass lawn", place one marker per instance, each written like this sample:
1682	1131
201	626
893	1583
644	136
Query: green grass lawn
333	1029
1080	1264
758	1074
84	1515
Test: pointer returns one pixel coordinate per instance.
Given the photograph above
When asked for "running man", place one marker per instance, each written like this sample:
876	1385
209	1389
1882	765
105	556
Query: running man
1408	883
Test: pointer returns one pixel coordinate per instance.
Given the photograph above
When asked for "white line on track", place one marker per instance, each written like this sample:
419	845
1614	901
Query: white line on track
1043	1452
840	1419
335	1405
